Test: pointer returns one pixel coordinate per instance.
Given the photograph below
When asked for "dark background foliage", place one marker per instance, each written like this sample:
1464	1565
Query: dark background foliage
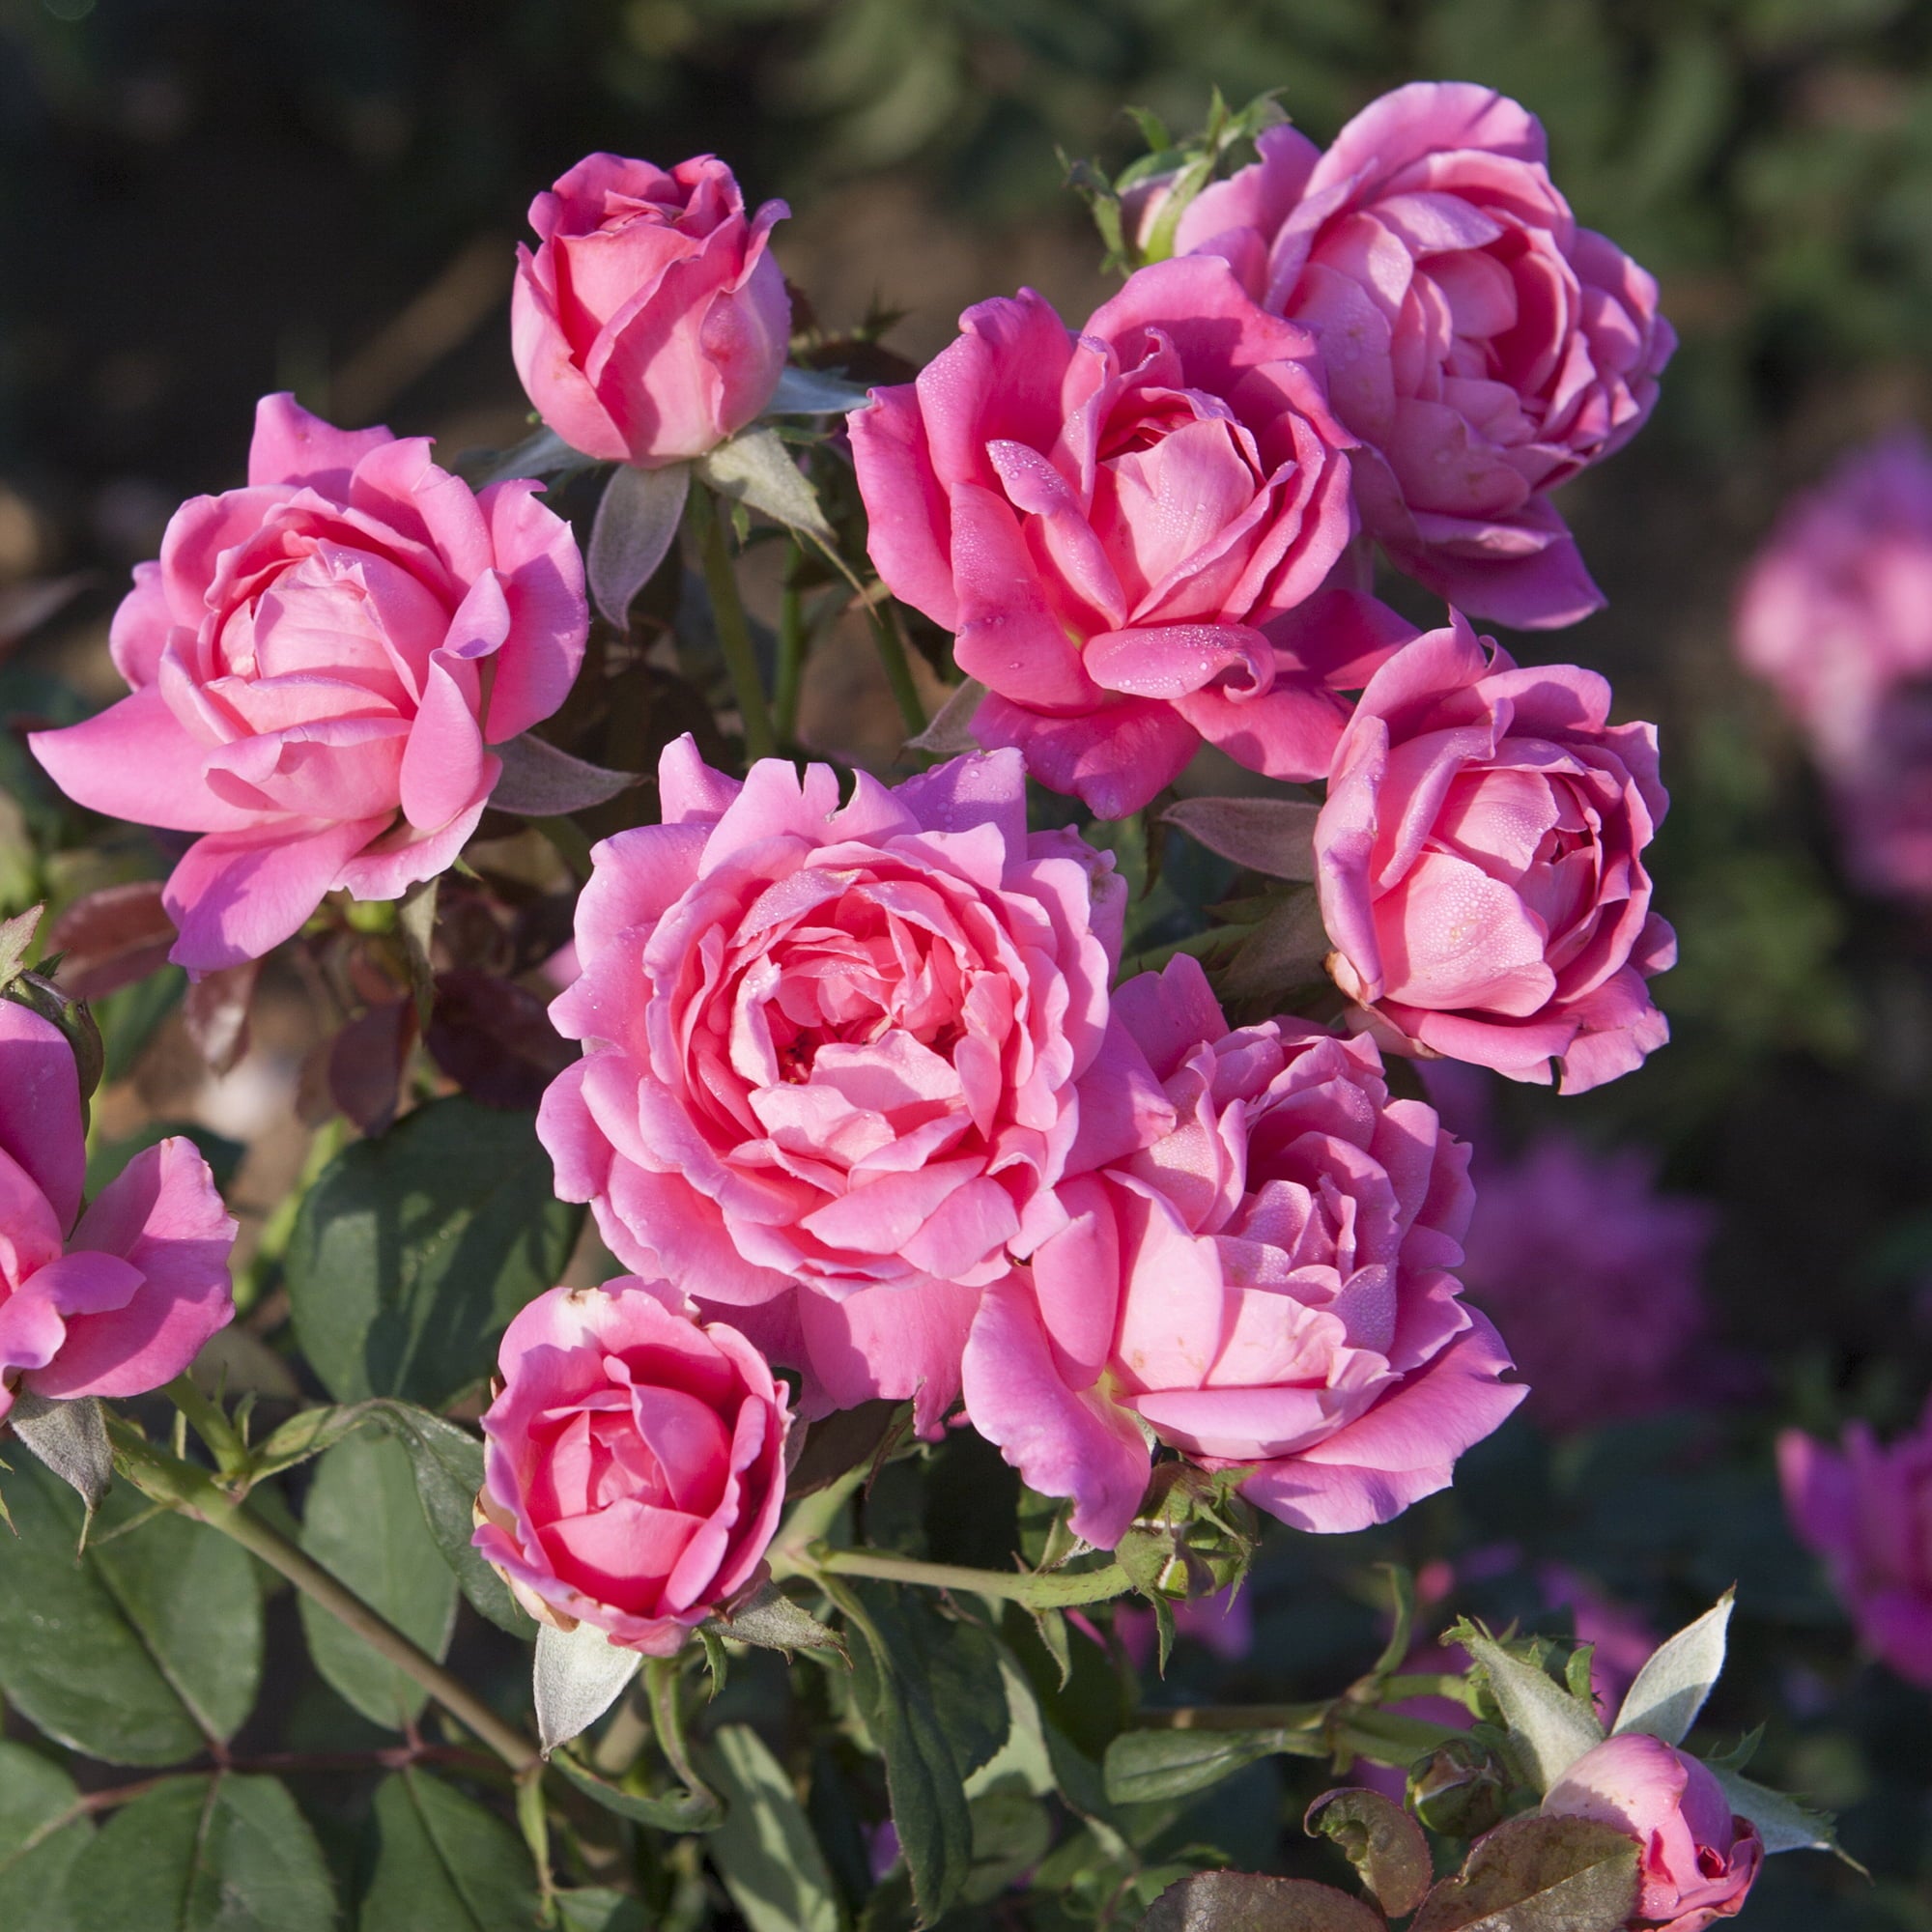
201	200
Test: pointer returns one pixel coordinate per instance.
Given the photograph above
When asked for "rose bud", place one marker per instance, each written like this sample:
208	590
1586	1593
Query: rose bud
1697	1861
121	1300
1482	346
1480	864
634	1465
652	322
319	664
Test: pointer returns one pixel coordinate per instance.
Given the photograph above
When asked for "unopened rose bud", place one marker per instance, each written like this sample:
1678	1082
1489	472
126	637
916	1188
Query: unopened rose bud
1459	1790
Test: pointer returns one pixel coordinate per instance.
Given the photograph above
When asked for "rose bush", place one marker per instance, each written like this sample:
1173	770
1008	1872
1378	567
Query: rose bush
1480	864
1867	1509
1266	1284
1697	1861
1481	345
319	665
652	320
839	1056
120	1300
1022	493
635	1465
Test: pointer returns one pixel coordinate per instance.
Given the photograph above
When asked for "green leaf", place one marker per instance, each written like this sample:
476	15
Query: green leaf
1143	1767
595	1910
765	1851
364	1525
1783	1823
1270	835
677	1810
443	1864
1538	1874
42	1833
632	534
773	1621
70	1438
411	1252
1230	1901
810	392
306	1435
576	1676
756	469
1012	1831
1383	1842
167	1617
1677	1677
1552	1728
222	1854
448	1465
933	1700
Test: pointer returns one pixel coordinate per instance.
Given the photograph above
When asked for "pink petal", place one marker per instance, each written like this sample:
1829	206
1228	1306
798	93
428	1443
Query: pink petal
293	446
136	761
40	1109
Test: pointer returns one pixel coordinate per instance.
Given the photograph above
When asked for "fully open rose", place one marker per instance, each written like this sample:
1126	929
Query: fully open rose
319	664
121	1300
1482	346
1268	1283
1116	522
1480	864
635	1464
1697	1861
839	1056
652	321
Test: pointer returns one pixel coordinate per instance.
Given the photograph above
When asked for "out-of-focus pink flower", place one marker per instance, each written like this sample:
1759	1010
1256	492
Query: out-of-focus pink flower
1835	613
1266	1284
1697	1861
1480	864
320	662
1594	1278
1223	1623
635	1463
120	1300
1621	1640
839	1056
1867	1509
1482	346
652	322
1118	523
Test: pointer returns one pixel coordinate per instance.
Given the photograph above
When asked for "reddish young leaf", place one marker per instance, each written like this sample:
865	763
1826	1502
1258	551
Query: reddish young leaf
495	1039
111	938
366	1062
216	1011
1383	1843
1232	1901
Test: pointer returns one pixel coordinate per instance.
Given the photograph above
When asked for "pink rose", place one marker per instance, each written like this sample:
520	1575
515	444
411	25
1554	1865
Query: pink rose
122	1302
1117	524
1482	346
1480	864
319	663
1266	1284
839	1056
651	323
1835	613
1867	1510
634	1465
1697	1861
1596	1279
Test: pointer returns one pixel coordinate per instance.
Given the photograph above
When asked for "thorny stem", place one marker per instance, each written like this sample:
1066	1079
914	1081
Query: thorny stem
661	1687
735	634
791	648
224	1444
898	666
163	1479
1039	1590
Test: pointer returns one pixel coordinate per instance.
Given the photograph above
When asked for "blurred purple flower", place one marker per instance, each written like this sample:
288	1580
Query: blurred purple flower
1223	1623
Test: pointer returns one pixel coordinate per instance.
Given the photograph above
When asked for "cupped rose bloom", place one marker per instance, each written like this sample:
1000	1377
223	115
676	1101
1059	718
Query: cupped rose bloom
319	664
1268	1283
1480	864
1118	523
1596	1279
652	321
839	1056
1482	346
120	1300
1696	1858
634	1463
1867	1509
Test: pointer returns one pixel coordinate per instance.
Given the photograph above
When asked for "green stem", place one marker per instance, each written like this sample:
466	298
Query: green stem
206	1418
735	634
791	649
661	1677
898	668
1235	1717
1052	1590
196	1494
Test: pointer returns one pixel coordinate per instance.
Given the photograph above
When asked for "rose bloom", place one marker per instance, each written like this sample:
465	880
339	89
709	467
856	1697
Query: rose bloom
634	1465
1697	1861
652	322
1595	1277
120	1300
1267	1284
319	665
1867	1509
839	1056
1480	864
1117	524
1482	346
